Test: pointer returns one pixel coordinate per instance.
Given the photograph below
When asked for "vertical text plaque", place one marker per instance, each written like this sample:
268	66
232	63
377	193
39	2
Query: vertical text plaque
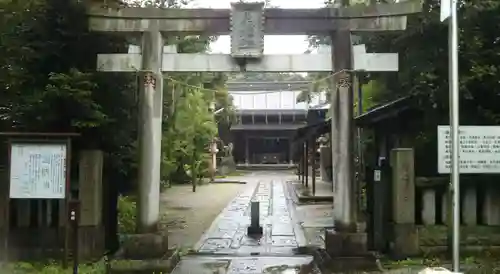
37	171
247	30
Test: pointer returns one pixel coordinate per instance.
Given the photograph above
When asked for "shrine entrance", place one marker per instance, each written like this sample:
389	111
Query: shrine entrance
270	150
247	23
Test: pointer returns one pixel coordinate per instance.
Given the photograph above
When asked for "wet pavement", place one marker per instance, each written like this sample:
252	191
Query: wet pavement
314	219
243	265
225	247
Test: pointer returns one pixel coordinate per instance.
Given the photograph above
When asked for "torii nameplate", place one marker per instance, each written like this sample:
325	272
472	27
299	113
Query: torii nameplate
247	30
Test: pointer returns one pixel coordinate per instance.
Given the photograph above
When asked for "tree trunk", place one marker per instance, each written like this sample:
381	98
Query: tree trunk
194	172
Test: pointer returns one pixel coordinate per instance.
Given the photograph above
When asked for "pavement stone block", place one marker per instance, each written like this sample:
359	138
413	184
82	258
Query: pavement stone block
201	265
228	224
245	266
223	233
284	241
283	229
249	241
238	236
237	265
212	245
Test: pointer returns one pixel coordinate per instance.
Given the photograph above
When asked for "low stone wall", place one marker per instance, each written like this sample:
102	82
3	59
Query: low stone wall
419	210
474	239
419	240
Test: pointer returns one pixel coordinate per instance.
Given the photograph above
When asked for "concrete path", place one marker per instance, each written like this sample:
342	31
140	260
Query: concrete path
225	247
314	219
186	215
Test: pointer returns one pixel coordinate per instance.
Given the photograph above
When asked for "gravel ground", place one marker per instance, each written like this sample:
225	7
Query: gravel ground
186	215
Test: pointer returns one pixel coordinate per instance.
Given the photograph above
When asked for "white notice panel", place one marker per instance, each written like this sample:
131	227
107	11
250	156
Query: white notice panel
479	149
37	171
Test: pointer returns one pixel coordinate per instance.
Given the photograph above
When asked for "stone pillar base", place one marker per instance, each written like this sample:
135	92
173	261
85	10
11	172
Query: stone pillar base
143	246
405	241
346	244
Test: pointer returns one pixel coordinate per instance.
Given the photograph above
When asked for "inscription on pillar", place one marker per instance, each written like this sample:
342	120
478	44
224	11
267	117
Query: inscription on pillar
149	80
247	30
344	81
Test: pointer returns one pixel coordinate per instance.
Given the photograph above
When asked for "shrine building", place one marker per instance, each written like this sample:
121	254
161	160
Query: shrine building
268	117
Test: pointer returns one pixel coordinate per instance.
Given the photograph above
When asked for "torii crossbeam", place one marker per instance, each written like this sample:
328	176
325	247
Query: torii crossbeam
359	18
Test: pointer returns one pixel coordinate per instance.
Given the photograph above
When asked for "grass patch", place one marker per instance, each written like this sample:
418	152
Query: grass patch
127	214
471	264
231	174
51	268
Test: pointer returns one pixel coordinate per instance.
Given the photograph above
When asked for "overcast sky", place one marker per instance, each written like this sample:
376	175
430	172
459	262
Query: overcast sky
273	44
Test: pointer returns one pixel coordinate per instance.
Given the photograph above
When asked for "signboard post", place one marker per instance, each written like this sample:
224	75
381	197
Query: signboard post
74	216
449	11
39	168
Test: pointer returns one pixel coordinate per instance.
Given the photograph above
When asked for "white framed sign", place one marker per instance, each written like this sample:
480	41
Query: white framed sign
38	171
479	149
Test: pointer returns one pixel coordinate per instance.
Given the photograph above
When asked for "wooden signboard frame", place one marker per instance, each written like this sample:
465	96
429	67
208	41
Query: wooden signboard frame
41	139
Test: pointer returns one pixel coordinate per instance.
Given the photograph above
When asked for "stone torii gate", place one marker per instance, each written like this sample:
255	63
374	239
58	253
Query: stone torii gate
247	23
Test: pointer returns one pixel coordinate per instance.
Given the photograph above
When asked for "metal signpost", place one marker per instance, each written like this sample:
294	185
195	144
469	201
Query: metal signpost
449	10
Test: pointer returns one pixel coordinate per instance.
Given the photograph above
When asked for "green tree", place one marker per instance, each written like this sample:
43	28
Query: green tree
49	84
424	64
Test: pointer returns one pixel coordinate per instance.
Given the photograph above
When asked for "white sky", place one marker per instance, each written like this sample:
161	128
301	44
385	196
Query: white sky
273	44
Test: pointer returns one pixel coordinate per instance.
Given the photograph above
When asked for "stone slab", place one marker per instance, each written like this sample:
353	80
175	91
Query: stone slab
228	233
202	265
238	265
223	233
212	245
286	241
283	229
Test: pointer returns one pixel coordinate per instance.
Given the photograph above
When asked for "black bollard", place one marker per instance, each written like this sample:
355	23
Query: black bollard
74	215
255	229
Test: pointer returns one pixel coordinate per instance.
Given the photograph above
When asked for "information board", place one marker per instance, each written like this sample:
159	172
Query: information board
479	149
37	171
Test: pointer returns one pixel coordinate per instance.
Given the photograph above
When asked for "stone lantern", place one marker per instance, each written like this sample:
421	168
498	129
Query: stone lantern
213	153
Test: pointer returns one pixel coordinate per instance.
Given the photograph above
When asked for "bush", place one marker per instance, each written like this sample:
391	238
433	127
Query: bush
51	268
126	214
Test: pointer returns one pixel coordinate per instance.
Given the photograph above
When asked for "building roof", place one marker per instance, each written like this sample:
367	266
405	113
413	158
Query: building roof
266	127
382	112
313	130
268	86
271	111
266	100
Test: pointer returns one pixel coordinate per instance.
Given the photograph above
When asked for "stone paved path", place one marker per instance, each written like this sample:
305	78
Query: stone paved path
225	247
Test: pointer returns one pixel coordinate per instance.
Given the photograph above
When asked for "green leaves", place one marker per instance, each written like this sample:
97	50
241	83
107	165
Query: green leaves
48	82
192	126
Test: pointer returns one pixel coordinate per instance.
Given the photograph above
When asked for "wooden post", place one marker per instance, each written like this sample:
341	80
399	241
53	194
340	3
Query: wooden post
306	162
313	165
302	165
90	184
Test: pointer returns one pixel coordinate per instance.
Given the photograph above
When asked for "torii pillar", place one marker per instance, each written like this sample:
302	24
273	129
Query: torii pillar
150	130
